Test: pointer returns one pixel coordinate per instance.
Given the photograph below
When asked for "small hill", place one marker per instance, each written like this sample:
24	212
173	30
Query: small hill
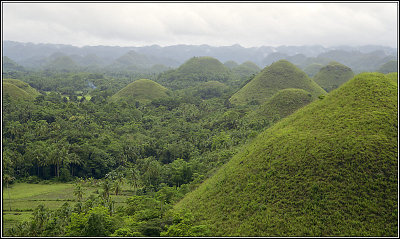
15	93
62	63
10	65
329	169
196	70
142	90
23	86
312	69
231	64
280	75
390	66
279	106
333	75
246	69
210	89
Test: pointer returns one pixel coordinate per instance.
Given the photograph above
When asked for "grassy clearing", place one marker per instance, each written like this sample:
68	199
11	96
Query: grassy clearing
25	197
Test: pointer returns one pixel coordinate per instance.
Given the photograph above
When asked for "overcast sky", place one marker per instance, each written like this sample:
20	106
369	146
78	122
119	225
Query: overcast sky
215	24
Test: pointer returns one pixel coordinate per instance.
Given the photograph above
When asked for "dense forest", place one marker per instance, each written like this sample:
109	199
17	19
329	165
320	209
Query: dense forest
200	147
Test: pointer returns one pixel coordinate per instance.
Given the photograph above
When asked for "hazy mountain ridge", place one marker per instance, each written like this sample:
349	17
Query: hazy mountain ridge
27	54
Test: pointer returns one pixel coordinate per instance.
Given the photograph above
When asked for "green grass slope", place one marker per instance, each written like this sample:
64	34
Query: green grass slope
194	71
330	169
15	93
23	86
333	75
246	69
393	76
278	76
142	90
280	105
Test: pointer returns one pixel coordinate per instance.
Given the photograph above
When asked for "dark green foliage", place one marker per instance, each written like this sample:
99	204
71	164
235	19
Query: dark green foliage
330	169
333	75
280	75
390	66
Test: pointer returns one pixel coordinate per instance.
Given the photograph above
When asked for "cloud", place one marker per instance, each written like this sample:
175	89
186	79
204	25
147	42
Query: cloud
248	24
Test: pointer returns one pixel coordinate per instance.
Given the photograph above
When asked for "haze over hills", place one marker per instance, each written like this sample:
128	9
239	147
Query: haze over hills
358	58
330	169
278	76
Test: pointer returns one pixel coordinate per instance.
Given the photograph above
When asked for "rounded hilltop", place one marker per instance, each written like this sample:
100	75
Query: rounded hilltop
143	90
333	75
278	76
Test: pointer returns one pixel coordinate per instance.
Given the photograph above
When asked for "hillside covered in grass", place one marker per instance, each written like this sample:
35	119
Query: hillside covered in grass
23	86
330	169
280	105
194	71
390	66
333	75
278	76
142	90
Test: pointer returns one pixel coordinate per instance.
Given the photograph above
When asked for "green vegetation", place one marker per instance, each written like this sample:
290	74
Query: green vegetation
245	69
393	76
22	85
312	69
330	169
333	75
194	71
142	90
231	64
109	152
280	75
390	66
16	93
279	106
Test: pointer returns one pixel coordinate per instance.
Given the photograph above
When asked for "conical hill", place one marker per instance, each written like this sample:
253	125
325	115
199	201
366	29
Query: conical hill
279	75
15	93
196	70
329	169
333	75
280	105
142	90
23	86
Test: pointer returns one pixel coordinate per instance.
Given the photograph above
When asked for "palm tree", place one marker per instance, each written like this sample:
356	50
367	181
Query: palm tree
78	192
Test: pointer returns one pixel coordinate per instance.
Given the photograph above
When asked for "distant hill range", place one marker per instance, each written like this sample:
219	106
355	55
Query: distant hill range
363	58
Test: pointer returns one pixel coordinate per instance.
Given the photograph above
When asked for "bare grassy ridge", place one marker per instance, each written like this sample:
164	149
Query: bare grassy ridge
279	75
330	169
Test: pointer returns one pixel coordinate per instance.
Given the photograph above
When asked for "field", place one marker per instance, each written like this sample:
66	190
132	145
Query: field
22	198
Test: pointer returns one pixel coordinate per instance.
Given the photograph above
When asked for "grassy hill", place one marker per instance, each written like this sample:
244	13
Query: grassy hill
330	169
142	90
390	66
246	69
333	75
10	65
393	76
15	92
196	70
280	105
312	69
23	86
279	75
